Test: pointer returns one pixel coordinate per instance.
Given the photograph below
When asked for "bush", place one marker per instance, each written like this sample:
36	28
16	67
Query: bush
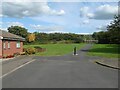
22	53
16	54
65	42
29	50
10	56
39	49
53	42
5	56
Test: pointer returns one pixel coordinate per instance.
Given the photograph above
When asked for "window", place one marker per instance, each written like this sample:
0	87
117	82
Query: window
4	45
8	44
18	44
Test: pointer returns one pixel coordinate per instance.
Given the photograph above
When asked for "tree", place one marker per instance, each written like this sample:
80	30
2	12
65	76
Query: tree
41	37
112	35
57	37
31	37
20	31
102	37
114	30
94	35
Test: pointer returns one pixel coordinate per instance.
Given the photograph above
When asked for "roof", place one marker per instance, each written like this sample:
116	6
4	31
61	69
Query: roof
9	36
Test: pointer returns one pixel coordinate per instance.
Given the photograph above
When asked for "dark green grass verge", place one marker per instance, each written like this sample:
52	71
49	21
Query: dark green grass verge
105	50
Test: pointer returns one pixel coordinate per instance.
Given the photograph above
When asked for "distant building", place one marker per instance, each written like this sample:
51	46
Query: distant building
10	43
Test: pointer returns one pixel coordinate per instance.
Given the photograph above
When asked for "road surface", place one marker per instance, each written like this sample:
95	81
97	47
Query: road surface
66	71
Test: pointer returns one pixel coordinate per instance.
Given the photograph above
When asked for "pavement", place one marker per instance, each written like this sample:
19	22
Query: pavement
66	71
109	63
11	64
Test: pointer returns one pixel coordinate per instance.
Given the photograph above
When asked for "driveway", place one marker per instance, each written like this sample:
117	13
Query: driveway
66	71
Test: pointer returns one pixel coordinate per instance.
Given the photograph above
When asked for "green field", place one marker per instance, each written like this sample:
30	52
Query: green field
56	49
104	50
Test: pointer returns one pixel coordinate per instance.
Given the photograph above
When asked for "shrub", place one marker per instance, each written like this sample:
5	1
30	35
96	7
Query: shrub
30	50
54	42
10	56
16	54
22	53
39	49
65	42
5	56
24	49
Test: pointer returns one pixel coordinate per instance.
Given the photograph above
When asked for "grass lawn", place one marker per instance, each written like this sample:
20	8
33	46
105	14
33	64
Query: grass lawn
104	50
56	49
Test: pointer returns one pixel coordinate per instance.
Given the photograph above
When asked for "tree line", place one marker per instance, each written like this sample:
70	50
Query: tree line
111	35
43	38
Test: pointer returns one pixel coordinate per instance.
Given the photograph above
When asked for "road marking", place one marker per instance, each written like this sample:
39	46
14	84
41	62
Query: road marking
16	68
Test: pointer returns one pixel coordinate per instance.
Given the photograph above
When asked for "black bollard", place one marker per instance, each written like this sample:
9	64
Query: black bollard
75	51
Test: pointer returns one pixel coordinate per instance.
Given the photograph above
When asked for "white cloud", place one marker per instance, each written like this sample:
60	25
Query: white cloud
105	12
28	9
102	28
1	15
102	12
57	32
62	12
0	10
90	15
84	33
0	26
5	29
46	28
15	24
86	22
84	11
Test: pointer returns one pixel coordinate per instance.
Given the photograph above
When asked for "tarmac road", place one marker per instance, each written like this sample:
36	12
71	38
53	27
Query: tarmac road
66	71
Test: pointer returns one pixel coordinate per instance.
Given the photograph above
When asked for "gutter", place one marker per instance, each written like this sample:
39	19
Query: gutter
6	38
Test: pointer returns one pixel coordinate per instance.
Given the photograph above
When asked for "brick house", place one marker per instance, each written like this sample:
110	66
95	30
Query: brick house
10	43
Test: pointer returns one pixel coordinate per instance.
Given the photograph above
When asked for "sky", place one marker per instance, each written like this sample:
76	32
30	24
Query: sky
64	17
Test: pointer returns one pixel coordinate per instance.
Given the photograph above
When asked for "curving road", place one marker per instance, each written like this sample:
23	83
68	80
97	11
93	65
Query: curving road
63	72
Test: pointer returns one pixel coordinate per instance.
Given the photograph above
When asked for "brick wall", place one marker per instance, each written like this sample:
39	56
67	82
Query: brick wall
0	48
13	49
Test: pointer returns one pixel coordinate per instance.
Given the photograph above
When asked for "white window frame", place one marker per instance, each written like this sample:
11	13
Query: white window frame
9	44
18	44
